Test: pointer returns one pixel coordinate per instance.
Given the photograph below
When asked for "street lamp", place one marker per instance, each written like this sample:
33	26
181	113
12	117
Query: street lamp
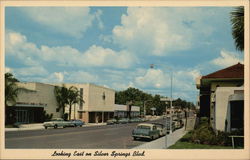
171	99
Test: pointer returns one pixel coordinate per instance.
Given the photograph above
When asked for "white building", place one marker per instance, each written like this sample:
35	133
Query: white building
98	106
228	108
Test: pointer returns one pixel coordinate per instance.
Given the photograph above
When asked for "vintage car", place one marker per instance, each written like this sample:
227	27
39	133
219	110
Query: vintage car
178	123
56	122
112	121
76	123
161	128
146	130
134	120
123	120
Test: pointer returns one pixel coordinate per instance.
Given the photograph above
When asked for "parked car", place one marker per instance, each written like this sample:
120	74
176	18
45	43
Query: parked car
179	124
111	121
146	130
123	120
134	120
76	123
56	122
161	128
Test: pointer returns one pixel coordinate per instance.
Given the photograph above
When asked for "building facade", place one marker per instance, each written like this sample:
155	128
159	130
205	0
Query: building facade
33	100
121	111
213	103
36	99
98	105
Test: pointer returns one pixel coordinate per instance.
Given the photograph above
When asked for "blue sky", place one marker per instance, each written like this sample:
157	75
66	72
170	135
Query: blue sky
114	46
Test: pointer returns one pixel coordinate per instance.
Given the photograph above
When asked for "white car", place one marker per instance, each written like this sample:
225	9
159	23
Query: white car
56	122
161	128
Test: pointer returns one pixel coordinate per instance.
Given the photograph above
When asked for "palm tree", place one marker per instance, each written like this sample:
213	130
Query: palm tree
11	89
237	20
11	93
67	96
61	94
74	97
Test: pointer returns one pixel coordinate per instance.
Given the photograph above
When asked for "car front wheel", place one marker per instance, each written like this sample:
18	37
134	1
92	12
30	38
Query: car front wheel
45	127
55	126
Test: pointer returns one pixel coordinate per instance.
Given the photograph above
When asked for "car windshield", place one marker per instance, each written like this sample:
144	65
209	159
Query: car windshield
143	127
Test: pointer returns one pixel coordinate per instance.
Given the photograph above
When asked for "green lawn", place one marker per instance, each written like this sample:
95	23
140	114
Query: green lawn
188	145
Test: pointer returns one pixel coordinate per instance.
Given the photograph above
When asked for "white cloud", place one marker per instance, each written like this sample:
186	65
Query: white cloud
99	56
59	76
98	18
29	54
153	78
73	21
160	30
81	77
31	71
183	80
8	70
16	45
227	59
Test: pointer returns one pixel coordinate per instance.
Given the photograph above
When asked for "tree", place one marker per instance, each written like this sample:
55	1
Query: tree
67	96
74	97
61	94
237	20
11	89
11	93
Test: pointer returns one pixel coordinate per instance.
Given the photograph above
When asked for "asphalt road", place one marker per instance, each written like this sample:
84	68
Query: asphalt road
97	137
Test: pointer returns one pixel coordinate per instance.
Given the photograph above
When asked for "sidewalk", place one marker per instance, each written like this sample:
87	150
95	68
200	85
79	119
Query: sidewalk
39	126
171	138
160	143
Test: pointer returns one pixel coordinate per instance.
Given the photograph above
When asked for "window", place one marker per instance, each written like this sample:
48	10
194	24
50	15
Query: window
80	115
81	95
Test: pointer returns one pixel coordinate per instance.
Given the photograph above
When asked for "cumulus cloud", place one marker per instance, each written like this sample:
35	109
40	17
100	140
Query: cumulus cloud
28	53
32	71
81	77
159	30
153	78
183	80
227	59
16	45
73	21
8	70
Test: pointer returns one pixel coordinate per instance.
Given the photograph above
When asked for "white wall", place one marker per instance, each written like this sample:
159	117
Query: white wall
221	105
39	93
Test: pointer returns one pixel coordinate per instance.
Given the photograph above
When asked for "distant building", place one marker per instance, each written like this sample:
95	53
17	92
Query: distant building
121	111
214	98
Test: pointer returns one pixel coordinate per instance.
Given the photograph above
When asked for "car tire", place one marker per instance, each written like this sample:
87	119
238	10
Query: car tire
55	126
45	127
134	138
152	137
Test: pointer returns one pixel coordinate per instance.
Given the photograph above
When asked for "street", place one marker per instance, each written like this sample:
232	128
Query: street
104	137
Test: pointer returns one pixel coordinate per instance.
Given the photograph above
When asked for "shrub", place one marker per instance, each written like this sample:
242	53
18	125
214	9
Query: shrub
46	117
223	139
65	116
187	137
